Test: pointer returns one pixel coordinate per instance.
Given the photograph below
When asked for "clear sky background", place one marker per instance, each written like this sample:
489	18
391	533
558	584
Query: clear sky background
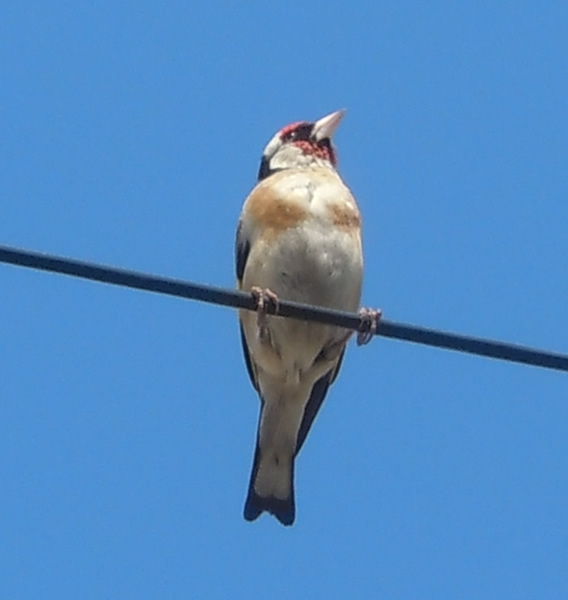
130	135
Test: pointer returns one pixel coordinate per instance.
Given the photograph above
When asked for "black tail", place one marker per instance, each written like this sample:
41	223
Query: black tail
255	505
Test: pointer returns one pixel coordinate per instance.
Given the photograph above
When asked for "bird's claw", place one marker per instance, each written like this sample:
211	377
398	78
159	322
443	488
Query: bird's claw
370	318
264	298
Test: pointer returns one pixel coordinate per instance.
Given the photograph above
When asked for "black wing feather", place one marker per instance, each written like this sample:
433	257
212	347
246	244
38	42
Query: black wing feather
242	250
248	360
317	396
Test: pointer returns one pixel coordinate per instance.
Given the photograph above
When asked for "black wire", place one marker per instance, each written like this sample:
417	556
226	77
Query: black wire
225	297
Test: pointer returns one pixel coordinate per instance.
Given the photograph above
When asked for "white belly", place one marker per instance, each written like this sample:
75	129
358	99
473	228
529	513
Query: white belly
313	264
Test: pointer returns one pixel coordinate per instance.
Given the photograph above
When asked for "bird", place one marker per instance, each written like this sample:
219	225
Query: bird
298	239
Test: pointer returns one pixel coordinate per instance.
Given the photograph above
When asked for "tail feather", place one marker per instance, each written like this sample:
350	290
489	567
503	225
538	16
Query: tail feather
271	486
284	509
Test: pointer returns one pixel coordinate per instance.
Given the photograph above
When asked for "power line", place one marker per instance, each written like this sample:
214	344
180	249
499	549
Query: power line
236	299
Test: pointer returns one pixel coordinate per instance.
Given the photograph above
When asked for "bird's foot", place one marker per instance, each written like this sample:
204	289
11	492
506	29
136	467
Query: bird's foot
370	318
264	298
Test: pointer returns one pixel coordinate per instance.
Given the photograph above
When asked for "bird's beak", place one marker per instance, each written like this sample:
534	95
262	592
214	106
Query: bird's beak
326	126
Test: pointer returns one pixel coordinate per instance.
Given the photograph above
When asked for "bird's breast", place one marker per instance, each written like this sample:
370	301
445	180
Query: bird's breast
304	231
287	199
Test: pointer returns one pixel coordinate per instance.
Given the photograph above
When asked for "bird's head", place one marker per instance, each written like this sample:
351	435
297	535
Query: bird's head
301	144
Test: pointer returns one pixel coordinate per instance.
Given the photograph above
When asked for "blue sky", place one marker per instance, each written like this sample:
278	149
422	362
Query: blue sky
131	135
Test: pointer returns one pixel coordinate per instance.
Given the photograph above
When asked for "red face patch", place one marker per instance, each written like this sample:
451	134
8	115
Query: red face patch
323	150
300	134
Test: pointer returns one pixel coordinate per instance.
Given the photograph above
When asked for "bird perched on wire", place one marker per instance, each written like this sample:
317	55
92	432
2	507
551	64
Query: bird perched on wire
298	239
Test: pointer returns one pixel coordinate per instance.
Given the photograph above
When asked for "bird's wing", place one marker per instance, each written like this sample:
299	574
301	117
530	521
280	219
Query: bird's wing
242	251
317	396
251	366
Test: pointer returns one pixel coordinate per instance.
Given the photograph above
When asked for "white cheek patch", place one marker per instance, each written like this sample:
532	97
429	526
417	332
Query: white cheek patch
272	146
